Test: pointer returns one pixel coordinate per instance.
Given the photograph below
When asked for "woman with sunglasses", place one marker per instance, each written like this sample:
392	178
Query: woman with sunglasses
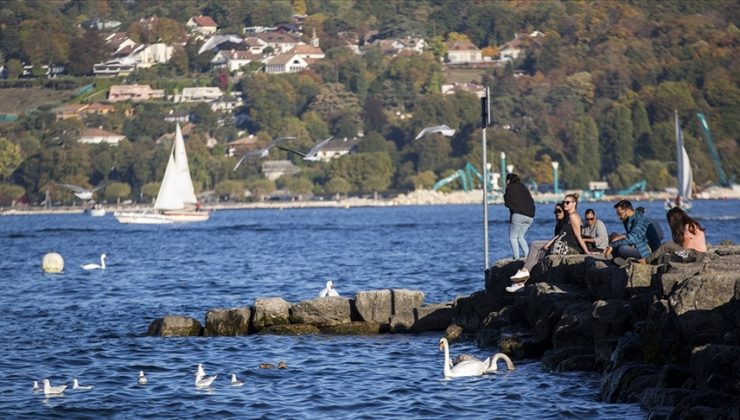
537	251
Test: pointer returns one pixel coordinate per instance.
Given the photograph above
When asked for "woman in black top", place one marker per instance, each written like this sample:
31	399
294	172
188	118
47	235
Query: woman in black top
521	208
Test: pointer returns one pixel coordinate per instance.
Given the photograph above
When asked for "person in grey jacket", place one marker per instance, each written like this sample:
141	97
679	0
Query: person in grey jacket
594	232
521	213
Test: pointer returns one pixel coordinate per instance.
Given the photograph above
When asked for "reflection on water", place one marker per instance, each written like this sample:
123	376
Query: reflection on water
90	325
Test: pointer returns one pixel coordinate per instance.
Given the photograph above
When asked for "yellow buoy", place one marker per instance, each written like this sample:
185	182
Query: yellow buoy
52	263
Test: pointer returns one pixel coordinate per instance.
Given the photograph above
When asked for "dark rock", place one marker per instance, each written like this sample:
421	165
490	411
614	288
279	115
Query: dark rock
381	305
470	311
581	363
553	357
628	350
499	275
574	327
453	333
673	376
714	359
175	326
520	345
227	322
610	320
620	385
665	398
424	318
291	329
705	404
356	328
321	311
635	390
271	311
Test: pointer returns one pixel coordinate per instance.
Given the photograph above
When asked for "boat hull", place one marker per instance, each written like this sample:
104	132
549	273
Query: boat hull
96	212
161	218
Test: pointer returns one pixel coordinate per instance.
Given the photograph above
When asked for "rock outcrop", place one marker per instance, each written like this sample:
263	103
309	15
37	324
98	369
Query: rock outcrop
175	326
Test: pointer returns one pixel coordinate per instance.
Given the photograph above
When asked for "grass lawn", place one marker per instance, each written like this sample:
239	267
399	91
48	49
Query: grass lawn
20	100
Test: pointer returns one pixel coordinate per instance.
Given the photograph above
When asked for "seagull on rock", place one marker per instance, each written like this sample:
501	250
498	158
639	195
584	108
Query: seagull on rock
441	129
329	290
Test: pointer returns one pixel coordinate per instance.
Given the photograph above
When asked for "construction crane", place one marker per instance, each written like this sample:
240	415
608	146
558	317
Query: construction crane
458	174
469	177
723	180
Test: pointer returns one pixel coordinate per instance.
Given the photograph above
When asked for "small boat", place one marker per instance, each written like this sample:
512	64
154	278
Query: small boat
683	169
95	211
176	202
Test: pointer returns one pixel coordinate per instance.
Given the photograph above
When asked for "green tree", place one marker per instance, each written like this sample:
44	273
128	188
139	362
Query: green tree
117	191
367	172
642	131
9	193
150	190
624	176
230	189
299	185
657	175
10	158
14	68
89	48
261	187
424	180
337	186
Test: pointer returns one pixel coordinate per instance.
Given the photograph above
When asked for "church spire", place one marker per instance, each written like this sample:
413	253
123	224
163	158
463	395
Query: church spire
314	39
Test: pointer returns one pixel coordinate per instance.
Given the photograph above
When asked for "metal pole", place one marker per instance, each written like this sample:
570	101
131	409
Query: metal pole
503	172
486	115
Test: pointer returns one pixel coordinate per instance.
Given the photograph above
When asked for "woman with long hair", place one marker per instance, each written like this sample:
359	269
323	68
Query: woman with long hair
687	235
572	229
521	213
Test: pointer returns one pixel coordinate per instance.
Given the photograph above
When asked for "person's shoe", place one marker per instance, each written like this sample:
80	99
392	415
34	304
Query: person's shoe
515	287
520	276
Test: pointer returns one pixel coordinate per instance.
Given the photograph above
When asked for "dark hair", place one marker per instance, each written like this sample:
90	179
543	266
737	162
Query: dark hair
512	178
677	219
559	223
640	210
590	211
623	204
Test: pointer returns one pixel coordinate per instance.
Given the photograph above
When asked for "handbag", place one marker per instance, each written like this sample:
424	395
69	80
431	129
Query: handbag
559	247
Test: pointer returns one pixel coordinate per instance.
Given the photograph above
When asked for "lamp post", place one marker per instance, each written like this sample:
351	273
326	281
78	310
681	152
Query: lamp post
555	187
503	171
509	169
485	121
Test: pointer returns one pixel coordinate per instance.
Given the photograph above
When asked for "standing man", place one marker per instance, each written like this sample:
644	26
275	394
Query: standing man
634	244
521	213
594	232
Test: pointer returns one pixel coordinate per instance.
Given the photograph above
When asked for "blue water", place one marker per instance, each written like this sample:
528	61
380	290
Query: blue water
90	325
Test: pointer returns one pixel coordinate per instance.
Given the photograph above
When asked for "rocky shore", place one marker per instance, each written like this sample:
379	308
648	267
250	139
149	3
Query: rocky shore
666	337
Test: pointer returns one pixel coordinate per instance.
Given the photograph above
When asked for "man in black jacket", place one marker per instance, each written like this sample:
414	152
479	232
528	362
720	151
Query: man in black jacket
521	207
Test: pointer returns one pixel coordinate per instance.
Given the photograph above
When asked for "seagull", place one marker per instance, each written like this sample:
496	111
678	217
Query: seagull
53	390
311	156
93	266
201	380
36	387
329	290
142	379
82	193
200	372
234	381
76	385
441	129
261	153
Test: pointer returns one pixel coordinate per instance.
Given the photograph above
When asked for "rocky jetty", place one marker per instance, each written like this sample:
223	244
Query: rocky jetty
666	337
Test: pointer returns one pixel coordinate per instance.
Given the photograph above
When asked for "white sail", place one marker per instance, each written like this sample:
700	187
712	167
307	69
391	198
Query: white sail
169	196
185	183
683	165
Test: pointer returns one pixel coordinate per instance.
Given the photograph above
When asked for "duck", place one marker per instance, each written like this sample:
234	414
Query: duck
234	381
76	385
93	266
142	378
53	390
329	290
281	365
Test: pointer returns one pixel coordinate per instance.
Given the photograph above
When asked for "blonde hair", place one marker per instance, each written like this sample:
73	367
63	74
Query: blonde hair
574	195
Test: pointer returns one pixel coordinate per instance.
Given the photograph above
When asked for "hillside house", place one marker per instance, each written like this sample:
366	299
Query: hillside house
279	41
285	63
98	136
462	52
134	93
337	147
77	111
274	169
199	94
202	26
233	60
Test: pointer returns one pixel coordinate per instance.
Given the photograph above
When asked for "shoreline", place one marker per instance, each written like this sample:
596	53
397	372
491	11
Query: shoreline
414	198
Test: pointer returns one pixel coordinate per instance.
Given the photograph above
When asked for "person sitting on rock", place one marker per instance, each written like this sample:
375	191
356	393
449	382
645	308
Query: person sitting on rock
654	232
634	244
688	242
568	228
594	232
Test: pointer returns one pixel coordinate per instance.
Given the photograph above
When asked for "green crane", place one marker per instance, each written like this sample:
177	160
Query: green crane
723	180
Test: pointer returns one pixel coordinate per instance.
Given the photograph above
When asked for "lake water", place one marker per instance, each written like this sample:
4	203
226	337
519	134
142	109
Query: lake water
90	325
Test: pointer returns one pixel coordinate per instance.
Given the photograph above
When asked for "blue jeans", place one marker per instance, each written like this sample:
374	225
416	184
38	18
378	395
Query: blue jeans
518	227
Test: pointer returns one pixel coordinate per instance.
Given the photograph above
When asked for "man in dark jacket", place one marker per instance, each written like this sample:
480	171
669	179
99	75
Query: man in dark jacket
521	208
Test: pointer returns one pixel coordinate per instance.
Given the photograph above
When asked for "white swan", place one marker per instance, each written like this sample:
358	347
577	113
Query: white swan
329	290
471	367
493	361
76	385
53	390
234	381
142	379
93	266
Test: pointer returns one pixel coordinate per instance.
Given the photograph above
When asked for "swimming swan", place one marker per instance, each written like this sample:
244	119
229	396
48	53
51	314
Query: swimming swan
93	266
466	365
329	290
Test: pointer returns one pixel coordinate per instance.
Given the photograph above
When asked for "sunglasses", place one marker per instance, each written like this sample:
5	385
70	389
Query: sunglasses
590	219
568	202
557	211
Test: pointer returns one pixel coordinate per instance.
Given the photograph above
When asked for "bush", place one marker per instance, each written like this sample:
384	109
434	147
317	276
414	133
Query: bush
10	192
230	189
116	191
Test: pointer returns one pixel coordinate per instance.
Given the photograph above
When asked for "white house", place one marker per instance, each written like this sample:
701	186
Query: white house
226	103
337	147
279	41
285	63
202	25
274	169
149	55
200	94
459	52
233	60
98	136
308	52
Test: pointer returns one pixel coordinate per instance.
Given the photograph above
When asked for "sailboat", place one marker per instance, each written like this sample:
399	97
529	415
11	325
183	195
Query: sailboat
176	202
683	169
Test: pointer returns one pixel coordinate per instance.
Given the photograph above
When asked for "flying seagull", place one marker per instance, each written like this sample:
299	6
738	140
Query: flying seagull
261	153
82	193
312	154
441	129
